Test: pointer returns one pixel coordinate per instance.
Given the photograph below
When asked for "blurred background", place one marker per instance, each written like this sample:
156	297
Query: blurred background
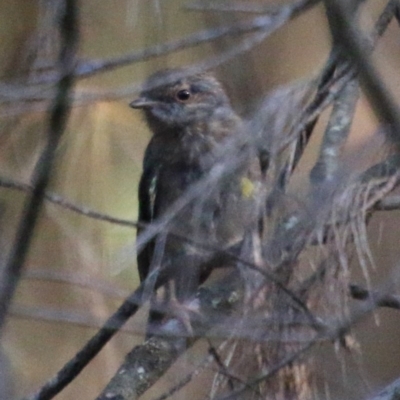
80	269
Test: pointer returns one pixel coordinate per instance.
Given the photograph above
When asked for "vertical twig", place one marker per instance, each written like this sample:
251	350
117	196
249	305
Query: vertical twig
59	111
336	134
353	44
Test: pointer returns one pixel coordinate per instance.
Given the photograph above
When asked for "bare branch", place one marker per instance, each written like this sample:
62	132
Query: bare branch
247	7
258	30
389	203
61	201
73	367
262	23
336	134
146	363
377	298
390	392
336	332
60	316
57	121
346	33
141	368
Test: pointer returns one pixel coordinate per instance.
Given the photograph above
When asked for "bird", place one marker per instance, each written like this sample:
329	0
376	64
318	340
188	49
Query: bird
191	120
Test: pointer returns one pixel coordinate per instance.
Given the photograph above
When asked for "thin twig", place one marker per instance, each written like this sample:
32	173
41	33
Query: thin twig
74	366
377	298
103	217
334	78
147	363
77	280
236	6
391	9
336	134
272	372
222	368
285	14
63	202
41	174
61	316
89	68
336	332
389	203
346	33
390	392
187	379
113	324
130	306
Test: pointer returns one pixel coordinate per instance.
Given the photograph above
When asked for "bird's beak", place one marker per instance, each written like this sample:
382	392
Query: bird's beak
142	102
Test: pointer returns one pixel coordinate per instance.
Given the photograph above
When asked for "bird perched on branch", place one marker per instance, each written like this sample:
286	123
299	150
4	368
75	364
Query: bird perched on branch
195	135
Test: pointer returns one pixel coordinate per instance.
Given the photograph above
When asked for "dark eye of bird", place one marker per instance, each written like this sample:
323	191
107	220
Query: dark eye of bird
183	95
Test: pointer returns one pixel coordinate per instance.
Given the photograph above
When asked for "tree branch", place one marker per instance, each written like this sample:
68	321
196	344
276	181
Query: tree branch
57	121
377	298
345	32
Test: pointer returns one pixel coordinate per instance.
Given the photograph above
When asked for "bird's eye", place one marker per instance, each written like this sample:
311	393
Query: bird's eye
183	95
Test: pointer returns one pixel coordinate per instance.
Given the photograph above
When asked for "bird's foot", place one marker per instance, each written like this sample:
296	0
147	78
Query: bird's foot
183	313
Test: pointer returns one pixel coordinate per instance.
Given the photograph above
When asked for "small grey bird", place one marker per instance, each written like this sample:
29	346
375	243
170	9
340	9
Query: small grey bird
191	120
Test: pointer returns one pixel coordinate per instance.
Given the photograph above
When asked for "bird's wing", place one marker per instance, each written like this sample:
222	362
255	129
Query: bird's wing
147	198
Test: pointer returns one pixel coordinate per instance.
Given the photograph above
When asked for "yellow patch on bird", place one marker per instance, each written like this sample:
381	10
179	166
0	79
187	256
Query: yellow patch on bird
247	187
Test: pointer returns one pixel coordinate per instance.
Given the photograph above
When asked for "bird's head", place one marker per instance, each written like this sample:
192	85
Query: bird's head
172	100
